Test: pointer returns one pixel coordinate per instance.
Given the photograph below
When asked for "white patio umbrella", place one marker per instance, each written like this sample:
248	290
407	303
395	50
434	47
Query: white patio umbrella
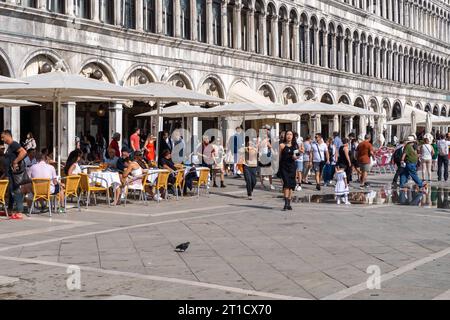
16	103
58	86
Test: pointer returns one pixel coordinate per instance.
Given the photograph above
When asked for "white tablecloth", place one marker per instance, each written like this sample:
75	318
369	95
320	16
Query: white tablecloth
110	177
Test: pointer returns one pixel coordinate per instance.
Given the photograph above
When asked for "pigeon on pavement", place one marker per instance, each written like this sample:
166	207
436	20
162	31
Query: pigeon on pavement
182	247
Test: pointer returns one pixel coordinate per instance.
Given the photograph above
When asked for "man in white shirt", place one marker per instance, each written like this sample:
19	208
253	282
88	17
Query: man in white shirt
443	146
42	170
320	157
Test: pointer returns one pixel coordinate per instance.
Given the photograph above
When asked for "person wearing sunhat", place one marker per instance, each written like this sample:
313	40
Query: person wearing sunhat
409	163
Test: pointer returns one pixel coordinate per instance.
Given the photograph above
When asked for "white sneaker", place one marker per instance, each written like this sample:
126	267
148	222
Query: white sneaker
347	202
272	187
157	198
298	188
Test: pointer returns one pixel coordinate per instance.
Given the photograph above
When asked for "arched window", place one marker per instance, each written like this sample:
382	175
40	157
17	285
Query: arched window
83	9
217	22
57	6
168	17
185	19
129	14
149	16
107	11
201	20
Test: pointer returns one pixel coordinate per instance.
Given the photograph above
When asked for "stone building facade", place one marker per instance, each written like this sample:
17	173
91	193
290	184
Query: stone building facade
375	54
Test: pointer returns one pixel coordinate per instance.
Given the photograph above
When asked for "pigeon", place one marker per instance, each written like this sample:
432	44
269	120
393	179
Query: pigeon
182	247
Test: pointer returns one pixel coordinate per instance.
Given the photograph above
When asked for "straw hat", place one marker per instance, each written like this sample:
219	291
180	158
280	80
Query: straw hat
410	138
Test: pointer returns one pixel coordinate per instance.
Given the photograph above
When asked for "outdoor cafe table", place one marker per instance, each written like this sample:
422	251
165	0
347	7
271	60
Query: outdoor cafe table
106	178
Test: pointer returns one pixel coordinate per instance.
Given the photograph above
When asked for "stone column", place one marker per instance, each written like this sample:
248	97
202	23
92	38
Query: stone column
295	43
115	121
350	55
395	17
237	26
332	62
70	9
178	22
68	128
118	12
364	63
275	36
223	12
316	46
384	71
342	54
336	123
11	121
286	39
325	50
400	66
402	21
251	31
262	34
371	57
139	15
209	22
307	45
406	14
357	58
362	127
42	4
95	10
194	27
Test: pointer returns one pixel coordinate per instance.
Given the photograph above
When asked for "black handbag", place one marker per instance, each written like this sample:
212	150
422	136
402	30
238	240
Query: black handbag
20	177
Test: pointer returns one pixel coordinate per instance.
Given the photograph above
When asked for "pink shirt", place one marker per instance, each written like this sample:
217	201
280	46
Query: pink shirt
42	170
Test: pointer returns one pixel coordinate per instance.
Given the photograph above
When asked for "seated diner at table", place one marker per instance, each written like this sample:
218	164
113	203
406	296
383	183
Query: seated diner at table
167	163
139	158
110	159
132	175
72	167
42	170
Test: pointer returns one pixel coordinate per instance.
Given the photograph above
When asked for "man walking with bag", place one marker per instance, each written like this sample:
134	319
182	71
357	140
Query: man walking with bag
409	164
14	164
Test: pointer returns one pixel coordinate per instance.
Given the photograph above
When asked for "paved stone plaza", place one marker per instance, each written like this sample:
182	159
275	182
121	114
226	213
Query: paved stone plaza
240	249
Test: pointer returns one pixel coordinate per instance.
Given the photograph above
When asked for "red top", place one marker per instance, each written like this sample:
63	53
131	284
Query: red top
150	156
134	140
114	145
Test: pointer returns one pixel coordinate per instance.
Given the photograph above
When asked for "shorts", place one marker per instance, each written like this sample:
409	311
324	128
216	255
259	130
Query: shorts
365	167
318	166
299	165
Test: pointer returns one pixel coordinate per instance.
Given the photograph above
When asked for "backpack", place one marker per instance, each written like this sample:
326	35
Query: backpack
443	149
397	156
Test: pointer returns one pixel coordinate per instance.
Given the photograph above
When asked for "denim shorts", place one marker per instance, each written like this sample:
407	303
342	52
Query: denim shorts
299	165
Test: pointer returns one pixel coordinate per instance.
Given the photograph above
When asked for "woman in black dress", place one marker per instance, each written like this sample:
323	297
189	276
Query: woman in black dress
344	160
288	169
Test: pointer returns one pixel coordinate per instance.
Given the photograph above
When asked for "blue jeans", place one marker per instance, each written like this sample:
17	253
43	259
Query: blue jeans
16	196
410	171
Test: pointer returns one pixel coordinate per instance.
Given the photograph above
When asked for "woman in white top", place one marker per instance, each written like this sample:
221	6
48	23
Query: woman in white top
72	167
131	179
426	157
